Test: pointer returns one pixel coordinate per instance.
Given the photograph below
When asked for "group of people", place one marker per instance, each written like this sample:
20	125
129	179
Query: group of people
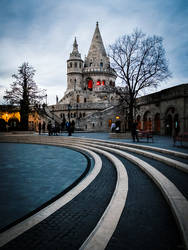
54	128
115	126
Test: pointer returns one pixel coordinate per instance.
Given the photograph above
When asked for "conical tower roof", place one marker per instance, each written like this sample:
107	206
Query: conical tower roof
75	53
96	48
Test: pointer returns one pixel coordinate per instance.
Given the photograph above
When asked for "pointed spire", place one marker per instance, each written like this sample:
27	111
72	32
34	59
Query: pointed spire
96	47
75	45
75	52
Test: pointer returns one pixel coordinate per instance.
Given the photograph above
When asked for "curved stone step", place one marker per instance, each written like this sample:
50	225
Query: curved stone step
177	202
21	227
171	162
139	146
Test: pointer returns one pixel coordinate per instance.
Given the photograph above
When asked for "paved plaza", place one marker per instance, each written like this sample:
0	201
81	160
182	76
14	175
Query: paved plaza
107	194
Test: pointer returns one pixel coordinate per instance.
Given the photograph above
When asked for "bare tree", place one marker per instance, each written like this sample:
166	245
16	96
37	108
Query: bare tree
24	92
139	62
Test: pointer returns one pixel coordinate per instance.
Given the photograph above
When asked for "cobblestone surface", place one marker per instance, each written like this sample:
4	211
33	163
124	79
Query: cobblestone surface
68	227
146	222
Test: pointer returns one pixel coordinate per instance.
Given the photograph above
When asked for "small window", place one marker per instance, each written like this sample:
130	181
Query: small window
103	82
93	125
101	64
84	99
84	114
70	65
75	64
80	64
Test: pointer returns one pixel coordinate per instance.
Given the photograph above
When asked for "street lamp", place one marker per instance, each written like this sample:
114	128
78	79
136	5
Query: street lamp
69	108
77	115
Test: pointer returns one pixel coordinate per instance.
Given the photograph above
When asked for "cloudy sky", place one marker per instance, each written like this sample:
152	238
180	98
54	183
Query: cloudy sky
41	32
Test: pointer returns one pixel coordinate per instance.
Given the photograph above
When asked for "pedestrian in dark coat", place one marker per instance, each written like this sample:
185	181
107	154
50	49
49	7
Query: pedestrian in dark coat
134	131
39	128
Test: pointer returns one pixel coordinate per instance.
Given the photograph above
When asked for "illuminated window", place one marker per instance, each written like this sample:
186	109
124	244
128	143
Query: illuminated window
103	82
90	84
98	82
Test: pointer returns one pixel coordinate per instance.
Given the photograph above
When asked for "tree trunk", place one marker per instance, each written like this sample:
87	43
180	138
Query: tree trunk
24	114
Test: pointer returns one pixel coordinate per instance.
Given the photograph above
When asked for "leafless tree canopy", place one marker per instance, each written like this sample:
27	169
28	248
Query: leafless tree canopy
139	62
24	87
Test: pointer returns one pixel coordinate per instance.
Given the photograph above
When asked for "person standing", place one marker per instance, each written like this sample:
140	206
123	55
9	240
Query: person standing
43	127
113	127
49	127
134	131
39	128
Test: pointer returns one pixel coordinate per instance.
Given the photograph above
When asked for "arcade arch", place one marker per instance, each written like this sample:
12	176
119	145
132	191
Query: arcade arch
147	121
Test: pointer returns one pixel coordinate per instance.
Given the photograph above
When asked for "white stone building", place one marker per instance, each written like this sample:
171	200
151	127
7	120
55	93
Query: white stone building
88	84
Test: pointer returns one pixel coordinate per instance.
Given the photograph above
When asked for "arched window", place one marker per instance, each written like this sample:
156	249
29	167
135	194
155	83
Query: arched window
98	83
80	64
101	64
75	64
78	99
90	84
84	114
70	65
84	99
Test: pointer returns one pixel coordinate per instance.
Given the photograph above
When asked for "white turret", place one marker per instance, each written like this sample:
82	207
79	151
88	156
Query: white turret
74	69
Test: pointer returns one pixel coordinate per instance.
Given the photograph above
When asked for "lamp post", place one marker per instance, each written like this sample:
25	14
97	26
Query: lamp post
69	108
77	114
69	128
53	109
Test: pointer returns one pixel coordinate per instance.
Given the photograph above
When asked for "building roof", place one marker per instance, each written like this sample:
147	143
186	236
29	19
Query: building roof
97	55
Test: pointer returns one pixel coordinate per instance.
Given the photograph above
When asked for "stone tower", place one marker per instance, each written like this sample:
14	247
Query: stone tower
88	82
97	72
74	70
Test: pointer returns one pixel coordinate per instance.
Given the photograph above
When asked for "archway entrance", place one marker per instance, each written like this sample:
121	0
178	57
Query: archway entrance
13	124
157	123
168	127
2	125
147	122
139	122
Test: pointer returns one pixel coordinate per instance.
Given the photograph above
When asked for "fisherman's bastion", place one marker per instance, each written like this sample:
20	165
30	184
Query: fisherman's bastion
91	103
